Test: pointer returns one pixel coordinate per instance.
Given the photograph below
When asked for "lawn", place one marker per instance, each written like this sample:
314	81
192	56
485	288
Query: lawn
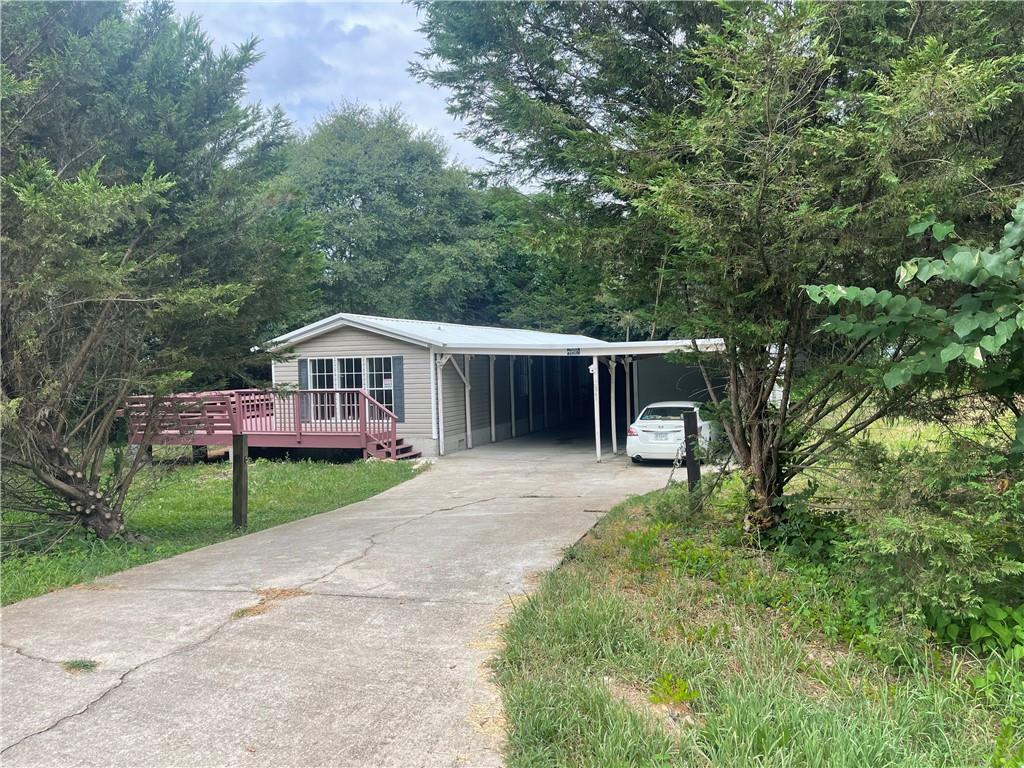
184	507
662	641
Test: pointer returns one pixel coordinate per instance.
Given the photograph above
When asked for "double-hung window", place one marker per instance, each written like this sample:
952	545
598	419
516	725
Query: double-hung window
321	376
380	380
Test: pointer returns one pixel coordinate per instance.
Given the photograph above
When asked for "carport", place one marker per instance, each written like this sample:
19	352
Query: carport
442	387
555	376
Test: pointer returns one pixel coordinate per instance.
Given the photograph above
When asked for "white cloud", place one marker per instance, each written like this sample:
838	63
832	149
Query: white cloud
319	54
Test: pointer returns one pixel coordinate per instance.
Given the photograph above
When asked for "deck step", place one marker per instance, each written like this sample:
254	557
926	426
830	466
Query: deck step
401	450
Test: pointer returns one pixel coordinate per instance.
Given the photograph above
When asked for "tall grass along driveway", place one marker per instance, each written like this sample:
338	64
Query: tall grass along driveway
185	507
653	646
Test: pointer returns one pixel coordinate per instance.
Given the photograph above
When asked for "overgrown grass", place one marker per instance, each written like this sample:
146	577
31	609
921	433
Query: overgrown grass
186	507
644	600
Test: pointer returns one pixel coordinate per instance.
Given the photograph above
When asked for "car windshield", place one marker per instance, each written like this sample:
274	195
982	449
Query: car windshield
664	413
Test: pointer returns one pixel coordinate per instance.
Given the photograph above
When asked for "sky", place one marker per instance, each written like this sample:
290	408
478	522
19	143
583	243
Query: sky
316	55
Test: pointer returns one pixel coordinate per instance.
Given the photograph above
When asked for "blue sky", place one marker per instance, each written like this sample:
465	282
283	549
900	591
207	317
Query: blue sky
316	55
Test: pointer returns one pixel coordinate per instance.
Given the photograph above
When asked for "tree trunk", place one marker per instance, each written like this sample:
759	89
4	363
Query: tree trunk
103	522
767	485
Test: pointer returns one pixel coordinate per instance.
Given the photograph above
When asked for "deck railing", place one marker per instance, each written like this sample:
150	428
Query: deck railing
264	412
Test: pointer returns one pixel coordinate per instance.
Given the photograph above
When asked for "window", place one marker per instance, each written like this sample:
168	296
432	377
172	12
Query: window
321	376
380	380
350	373
321	373
664	413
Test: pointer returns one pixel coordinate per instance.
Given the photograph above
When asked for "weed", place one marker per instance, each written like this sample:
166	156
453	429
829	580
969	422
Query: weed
669	689
80	665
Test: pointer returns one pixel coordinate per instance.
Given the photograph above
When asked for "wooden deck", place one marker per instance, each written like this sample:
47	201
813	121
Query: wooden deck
342	418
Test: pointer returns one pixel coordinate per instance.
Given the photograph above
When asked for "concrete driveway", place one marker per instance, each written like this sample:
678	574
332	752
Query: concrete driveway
354	638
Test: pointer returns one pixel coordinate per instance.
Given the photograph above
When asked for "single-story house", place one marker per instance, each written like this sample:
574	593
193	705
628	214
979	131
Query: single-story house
454	386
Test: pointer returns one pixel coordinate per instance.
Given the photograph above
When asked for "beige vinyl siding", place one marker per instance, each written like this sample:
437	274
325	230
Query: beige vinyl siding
353	342
454	406
502	410
480	396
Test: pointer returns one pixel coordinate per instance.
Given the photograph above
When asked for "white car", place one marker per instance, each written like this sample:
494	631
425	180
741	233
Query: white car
657	432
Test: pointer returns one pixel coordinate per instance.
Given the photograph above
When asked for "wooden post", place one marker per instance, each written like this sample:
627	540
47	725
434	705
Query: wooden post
690	436
239	480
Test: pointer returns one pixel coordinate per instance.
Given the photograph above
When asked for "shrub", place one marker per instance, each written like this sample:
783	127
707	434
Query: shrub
938	537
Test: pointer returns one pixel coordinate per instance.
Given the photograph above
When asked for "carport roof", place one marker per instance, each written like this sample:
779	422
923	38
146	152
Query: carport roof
454	338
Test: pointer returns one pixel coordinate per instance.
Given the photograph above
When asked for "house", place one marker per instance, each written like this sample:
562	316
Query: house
451	386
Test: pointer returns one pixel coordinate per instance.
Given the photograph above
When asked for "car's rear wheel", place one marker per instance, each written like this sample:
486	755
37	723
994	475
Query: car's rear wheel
637	460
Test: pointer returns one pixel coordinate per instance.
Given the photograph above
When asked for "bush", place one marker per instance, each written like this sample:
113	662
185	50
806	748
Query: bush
933	538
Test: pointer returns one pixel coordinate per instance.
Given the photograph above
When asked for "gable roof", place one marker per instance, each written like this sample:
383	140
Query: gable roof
456	338
429	333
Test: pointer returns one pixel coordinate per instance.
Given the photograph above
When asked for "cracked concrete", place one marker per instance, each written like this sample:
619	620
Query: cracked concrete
378	665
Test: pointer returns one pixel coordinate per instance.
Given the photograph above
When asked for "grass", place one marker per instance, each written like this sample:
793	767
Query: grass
80	665
186	507
663	643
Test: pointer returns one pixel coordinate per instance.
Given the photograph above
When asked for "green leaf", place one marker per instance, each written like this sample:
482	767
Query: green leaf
974	357
964	324
979	631
991	344
951	352
995	611
942	230
919	227
896	376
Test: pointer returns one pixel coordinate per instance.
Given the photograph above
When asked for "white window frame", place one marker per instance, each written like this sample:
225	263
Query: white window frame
325	406
385	393
344	372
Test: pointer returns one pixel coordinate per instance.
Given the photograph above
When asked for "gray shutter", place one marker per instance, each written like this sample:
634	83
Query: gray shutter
398	379
304	384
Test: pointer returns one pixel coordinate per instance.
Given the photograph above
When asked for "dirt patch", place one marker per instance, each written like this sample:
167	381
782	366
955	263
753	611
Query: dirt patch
269	597
673	717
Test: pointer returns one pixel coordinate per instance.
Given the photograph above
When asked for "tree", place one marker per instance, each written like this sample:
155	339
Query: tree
145	237
405	232
799	151
958	319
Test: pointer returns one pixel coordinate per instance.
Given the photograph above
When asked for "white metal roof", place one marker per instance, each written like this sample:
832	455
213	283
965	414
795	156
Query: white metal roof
455	338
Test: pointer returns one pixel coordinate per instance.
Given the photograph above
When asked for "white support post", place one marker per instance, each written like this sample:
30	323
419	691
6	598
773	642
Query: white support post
464	375
544	387
626	365
469	404
490	394
512	390
441	361
595	370
529	389
611	406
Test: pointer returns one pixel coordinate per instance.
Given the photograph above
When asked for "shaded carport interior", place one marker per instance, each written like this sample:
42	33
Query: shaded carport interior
560	384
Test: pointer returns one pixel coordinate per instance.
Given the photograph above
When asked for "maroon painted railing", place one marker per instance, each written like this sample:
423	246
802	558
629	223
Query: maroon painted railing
200	418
